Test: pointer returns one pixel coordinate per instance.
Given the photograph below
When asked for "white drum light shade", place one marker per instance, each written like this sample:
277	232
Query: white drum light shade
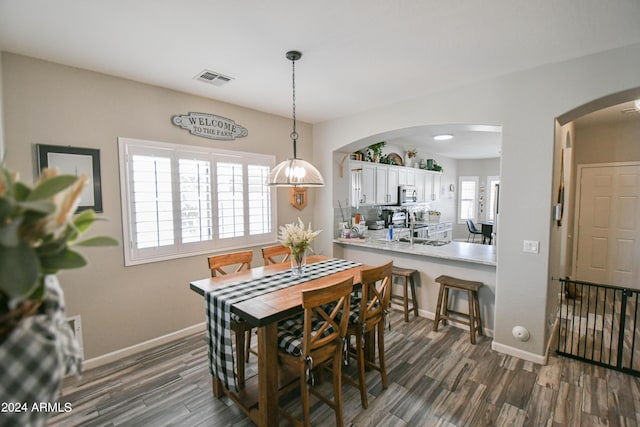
295	173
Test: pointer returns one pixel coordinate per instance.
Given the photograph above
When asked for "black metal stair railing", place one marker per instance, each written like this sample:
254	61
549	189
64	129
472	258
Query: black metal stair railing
598	324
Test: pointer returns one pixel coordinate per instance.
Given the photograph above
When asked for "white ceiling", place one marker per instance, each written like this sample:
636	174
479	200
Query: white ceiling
357	54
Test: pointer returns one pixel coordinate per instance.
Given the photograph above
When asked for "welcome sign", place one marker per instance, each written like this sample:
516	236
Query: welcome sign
210	126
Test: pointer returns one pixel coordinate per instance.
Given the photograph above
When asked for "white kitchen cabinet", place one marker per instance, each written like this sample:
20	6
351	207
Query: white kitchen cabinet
368	184
377	184
402	176
431	182
436	231
356	183
386	187
411	176
436	184
407	176
420	184
381	185
363	178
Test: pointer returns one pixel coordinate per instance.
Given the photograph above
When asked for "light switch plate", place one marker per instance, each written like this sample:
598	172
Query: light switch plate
531	246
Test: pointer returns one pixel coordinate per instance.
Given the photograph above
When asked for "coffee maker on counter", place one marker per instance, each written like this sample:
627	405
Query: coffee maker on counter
387	217
396	218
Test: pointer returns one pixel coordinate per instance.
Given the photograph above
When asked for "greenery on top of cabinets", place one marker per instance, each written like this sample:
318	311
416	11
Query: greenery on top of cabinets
372	153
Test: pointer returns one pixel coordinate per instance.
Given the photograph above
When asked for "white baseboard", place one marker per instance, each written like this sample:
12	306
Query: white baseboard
143	346
520	354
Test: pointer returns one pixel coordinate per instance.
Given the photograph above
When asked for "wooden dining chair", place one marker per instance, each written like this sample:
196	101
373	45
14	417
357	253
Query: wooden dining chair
242	330
316	337
368	310
270	253
240	259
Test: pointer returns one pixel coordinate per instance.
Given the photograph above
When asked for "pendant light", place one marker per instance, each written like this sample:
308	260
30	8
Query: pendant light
295	172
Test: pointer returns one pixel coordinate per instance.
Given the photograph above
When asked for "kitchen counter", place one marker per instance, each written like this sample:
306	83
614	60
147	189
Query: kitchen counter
470	261
455	251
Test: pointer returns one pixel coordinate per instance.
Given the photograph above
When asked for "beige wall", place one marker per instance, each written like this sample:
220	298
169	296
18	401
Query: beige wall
52	104
608	143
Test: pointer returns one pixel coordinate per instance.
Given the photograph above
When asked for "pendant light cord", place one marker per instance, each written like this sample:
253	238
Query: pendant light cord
294	133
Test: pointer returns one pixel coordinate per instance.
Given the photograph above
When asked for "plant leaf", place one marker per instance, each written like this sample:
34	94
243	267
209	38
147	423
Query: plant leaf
40	206
83	220
21	191
63	260
9	233
5	209
38	292
19	270
51	247
98	241
51	186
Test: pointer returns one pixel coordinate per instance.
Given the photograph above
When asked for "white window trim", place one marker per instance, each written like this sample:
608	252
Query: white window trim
125	145
490	202
461	179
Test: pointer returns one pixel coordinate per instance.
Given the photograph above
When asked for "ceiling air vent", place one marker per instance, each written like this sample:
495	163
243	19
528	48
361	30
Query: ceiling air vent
213	78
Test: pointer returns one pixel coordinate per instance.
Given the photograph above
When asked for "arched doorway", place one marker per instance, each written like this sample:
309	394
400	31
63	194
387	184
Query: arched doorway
596	235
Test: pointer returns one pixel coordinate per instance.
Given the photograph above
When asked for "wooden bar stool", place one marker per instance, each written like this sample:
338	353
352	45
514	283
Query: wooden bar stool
406	276
443	313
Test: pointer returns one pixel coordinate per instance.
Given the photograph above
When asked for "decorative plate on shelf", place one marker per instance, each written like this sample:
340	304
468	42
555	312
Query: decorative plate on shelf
396	158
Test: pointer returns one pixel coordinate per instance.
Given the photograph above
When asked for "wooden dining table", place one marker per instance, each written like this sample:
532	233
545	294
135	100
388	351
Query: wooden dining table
259	398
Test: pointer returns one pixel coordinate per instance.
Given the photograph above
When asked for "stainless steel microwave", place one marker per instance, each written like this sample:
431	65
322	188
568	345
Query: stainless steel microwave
407	195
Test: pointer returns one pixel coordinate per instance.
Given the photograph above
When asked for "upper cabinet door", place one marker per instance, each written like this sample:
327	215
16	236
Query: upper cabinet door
435	188
381	185
368	184
423	185
393	178
387	185
402	176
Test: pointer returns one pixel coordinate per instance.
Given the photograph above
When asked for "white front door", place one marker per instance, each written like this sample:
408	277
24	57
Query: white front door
608	227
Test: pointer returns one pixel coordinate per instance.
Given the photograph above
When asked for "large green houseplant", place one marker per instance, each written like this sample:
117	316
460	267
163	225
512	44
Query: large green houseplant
38	236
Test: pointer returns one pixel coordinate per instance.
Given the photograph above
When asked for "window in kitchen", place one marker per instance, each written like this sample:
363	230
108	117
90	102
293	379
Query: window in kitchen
493	183
467	198
181	200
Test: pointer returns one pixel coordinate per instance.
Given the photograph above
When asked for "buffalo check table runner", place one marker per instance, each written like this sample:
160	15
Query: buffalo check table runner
218	304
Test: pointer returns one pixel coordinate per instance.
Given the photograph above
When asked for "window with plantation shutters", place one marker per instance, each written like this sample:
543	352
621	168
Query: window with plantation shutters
467	198
195	200
230	200
152	201
259	200
182	201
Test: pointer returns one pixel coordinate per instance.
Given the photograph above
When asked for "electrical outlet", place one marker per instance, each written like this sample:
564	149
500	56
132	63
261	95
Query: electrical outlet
531	246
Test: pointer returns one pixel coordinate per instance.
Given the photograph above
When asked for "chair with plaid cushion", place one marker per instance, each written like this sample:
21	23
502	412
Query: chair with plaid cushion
242	330
314	338
269	253
368	310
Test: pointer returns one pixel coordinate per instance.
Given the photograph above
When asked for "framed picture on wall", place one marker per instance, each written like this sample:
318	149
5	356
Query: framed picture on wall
75	161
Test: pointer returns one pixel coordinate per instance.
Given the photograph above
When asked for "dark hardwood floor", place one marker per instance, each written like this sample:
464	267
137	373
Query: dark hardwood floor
435	379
